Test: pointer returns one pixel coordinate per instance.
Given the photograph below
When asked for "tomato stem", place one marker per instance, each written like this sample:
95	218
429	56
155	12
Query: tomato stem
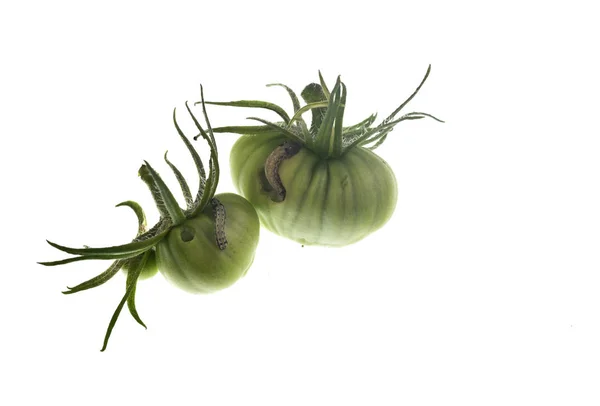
313	93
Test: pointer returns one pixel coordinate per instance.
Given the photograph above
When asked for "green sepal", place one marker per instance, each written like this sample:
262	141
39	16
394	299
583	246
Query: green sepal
337	141
132	278
175	213
391	116
360	128
138	265
281	130
207	135
311	106
291	93
146	176
255	104
139	212
70	260
197	163
248	129
185	189
325	136
102	278
379	133
124	251
377	144
296	105
324	87
213	162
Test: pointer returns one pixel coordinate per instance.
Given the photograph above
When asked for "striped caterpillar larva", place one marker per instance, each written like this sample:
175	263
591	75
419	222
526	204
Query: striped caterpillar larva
284	151
219	215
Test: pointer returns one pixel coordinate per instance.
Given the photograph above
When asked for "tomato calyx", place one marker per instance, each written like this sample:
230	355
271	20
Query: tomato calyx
326	136
138	258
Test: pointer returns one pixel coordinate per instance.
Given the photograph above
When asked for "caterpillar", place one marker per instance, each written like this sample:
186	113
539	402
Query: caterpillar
284	151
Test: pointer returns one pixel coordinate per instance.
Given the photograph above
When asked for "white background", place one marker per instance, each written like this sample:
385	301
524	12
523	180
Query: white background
482	289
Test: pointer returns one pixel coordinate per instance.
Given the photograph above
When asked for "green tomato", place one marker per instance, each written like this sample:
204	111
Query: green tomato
318	184
189	258
148	271
330	202
202	248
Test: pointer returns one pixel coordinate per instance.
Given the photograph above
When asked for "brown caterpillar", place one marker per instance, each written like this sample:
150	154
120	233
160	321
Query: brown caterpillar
219	215
284	151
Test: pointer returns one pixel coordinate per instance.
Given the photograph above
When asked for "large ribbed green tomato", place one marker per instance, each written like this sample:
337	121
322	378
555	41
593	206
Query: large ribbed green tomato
189	258
330	201
318	184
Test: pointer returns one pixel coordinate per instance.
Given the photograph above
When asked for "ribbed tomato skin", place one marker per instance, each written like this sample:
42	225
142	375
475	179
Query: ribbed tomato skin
329	202
199	266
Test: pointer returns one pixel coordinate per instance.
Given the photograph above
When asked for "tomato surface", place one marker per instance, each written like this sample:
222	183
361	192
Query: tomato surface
148	271
330	201
190	258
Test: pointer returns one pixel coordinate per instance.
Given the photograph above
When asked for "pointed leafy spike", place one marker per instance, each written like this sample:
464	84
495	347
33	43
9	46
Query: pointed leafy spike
213	162
210	185
150	238
98	280
324	138
175	213
360	127
291	93
324	86
379	133
197	162
208	126
338	130
185	189
136	268
306	107
244	129
132	308
411	96
115	252
255	104
418	114
281	130
206	135
144	174
139	212
130	287
377	144
74	259
296	106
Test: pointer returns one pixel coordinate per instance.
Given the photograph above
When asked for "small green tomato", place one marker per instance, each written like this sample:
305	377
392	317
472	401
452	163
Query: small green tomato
204	248
189	258
319	184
